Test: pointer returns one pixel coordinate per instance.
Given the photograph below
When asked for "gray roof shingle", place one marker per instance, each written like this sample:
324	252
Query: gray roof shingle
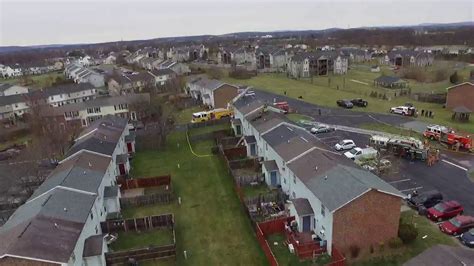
302	206
335	180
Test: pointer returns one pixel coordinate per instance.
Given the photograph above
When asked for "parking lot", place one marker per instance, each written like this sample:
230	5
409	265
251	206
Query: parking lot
445	176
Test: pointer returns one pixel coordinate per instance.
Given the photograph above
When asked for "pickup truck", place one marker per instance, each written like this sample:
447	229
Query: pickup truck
359	102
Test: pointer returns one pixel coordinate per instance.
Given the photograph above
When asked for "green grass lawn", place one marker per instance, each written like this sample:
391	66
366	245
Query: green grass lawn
397	257
39	81
17	140
298	117
185	115
391	130
134	240
210	223
208	129
327	90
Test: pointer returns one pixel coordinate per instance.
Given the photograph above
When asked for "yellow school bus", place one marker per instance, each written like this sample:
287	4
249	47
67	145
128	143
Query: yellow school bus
211	115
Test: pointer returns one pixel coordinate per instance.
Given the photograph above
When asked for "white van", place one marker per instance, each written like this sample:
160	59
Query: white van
358	153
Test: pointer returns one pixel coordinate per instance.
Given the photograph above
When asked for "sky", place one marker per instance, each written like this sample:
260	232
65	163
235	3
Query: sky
71	21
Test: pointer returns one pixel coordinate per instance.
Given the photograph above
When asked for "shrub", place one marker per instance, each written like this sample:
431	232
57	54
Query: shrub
415	73
371	250
395	242
354	250
454	78
407	233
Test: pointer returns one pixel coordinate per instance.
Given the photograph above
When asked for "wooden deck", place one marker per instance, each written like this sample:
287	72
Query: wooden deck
305	246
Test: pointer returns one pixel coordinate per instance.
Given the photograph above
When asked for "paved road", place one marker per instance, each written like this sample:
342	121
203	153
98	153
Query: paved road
336	116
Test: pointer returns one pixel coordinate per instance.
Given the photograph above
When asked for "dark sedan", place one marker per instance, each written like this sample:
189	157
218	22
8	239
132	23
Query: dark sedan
359	102
467	238
345	103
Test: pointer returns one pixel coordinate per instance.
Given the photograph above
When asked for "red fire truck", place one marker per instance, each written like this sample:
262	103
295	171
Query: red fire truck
282	106
448	136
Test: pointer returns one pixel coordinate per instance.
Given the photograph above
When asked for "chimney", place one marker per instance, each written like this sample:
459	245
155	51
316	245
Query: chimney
326	177
65	209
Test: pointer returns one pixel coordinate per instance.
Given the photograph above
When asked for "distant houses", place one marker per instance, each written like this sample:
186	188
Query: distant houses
320	63
211	92
81	74
406	58
82	114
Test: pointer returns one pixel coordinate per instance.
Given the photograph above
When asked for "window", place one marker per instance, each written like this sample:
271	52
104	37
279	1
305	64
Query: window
92	216
294	178
294	195
323	211
90	110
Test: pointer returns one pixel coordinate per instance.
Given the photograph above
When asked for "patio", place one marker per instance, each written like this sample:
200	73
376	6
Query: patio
305	246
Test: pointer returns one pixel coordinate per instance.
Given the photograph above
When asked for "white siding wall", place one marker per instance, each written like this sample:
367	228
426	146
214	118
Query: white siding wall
301	191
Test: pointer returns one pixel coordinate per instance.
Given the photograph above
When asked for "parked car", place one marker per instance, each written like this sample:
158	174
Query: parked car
321	129
345	144
421	202
368	153
467	238
457	225
403	110
345	103
359	102
444	210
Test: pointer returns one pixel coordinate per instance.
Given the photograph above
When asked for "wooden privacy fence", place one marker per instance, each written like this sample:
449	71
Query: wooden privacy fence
337	259
144	182
273	197
161	197
122	257
265	247
138	224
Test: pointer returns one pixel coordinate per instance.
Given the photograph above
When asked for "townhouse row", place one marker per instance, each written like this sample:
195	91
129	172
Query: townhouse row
60	223
333	198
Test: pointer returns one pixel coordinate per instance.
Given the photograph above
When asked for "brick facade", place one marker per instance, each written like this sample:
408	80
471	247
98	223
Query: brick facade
461	95
368	220
224	95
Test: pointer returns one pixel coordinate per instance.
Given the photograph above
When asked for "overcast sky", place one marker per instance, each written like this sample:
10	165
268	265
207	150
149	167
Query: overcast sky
72	21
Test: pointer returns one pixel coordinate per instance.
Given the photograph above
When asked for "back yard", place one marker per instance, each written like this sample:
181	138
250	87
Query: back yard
210	223
357	83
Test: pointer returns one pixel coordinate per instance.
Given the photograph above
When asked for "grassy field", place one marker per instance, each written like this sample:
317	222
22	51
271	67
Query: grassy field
398	256
185	115
327	90
203	130
391	130
38	81
210	223
133	240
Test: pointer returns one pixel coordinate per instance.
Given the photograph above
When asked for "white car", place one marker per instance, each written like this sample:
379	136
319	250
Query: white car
321	129
345	144
402	110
